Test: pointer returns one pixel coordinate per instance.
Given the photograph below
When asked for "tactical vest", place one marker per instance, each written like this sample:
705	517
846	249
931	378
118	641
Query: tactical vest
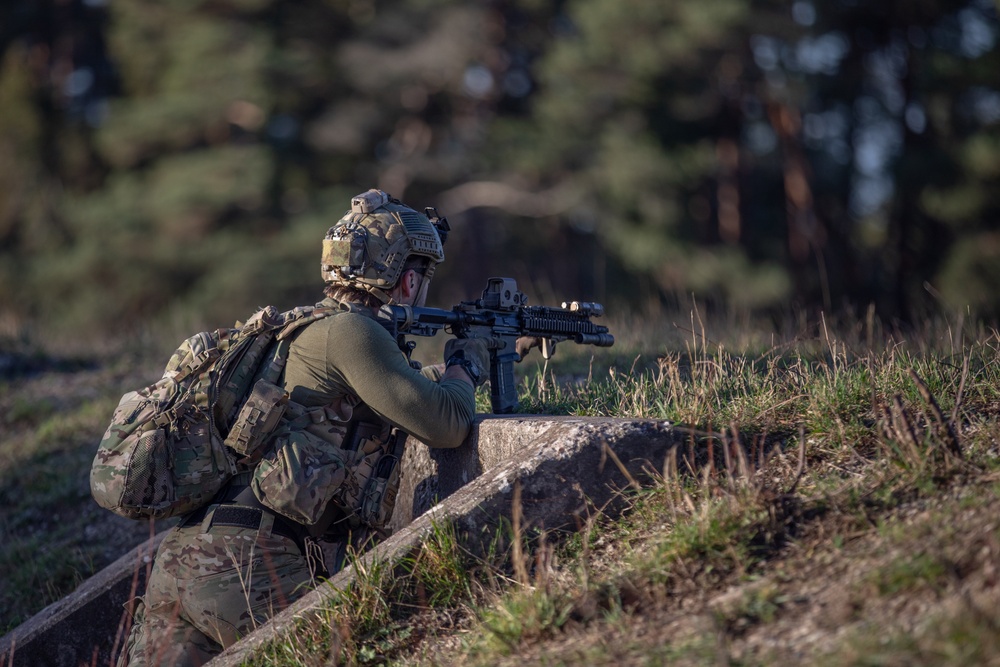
324	468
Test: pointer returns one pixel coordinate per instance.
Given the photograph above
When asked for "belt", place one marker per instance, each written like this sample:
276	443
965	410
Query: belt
242	517
236	505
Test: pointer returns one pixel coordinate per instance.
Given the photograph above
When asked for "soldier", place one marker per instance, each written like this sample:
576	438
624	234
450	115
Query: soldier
230	566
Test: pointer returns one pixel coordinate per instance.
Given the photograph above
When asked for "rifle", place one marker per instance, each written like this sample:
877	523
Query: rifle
501	315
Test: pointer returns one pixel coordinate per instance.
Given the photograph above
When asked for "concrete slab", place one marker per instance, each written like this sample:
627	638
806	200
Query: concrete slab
432	474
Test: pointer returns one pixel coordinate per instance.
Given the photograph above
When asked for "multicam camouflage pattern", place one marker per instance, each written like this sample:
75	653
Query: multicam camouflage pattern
368	247
163	453
310	465
369	494
209	588
300	476
258	417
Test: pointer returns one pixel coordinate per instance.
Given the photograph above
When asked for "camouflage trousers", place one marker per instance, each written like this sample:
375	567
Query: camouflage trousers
210	587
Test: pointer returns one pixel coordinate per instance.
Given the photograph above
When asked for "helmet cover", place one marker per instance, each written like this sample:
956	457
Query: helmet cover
369	246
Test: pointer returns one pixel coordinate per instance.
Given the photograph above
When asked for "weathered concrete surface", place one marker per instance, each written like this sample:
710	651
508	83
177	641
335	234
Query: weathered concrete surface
432	474
562	462
564	469
81	628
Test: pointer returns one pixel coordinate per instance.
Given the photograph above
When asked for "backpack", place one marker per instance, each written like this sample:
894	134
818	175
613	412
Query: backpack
171	446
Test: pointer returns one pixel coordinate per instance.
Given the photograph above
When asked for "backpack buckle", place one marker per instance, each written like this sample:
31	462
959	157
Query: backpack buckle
264	319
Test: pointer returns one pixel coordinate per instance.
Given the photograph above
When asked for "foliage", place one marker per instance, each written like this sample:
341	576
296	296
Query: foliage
183	159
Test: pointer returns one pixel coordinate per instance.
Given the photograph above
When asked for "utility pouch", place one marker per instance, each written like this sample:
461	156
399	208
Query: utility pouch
257	419
378	499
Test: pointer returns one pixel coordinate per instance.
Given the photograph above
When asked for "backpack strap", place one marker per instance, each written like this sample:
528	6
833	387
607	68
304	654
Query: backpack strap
263	349
293	321
299	317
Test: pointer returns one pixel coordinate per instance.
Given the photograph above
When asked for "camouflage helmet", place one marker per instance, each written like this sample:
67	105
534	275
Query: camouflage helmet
369	246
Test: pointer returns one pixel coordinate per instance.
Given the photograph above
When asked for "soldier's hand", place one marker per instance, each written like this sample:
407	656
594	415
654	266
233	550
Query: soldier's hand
474	354
524	344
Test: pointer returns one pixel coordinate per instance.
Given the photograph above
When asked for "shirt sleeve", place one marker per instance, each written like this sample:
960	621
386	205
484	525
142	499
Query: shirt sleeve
433	372
366	359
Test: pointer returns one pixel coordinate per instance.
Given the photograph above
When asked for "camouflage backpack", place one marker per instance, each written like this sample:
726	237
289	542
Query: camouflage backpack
171	446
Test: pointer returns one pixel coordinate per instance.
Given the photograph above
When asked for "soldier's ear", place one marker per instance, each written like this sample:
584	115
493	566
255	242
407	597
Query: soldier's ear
409	281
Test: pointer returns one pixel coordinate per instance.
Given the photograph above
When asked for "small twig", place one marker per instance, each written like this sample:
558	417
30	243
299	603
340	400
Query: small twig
670	471
887	428
801	468
693	332
727	459
543	561
742	464
945	426
961	390
690	458
520	569
904	429
621	466
635	361
585	558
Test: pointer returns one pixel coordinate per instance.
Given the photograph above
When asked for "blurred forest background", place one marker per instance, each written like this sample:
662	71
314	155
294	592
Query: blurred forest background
180	160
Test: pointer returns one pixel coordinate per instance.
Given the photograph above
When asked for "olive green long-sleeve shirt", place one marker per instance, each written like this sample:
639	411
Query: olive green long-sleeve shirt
350	353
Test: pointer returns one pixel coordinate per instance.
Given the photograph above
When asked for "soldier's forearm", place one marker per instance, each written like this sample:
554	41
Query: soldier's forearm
457	373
